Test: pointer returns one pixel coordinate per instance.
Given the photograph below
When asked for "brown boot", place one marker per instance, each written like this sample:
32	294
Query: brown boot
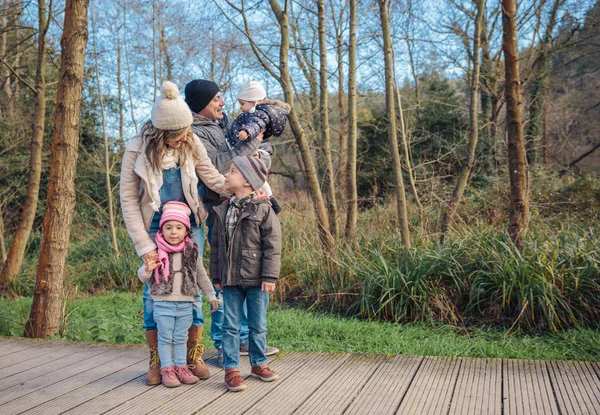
195	348
153	375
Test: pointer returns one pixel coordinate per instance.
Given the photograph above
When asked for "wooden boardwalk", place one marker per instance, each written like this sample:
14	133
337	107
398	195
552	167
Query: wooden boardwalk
42	377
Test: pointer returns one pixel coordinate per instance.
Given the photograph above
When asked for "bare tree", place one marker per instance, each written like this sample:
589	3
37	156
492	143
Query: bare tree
324	118
19	243
517	163
45	311
463	178
107	166
351	189
391	116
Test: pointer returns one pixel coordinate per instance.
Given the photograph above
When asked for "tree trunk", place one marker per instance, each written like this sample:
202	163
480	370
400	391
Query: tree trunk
2	239
120	91
19	243
517	164
154	72
128	68
325	133
296	127
45	311
351	189
391	116
465	172
538	88
107	169
343	133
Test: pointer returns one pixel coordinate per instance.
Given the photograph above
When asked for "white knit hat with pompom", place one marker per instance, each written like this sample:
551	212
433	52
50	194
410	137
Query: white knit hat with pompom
170	112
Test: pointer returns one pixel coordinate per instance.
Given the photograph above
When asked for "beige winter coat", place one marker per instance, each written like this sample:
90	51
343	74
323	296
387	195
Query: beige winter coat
136	200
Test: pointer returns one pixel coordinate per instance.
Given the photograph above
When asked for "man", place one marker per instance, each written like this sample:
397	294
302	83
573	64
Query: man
210	125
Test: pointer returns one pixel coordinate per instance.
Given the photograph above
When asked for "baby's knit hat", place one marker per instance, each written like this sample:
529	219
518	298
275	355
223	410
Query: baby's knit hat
253	169
170	112
252	92
176	211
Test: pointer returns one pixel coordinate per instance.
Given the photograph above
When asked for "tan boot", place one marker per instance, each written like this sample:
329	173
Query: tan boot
195	348
153	375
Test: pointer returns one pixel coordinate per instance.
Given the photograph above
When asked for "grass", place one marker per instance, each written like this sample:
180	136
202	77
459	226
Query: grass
117	318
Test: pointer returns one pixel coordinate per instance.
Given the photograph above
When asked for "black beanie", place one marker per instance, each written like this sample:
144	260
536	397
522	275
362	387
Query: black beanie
199	92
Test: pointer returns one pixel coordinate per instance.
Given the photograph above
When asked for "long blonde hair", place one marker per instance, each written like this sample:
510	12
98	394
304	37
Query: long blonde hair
157	141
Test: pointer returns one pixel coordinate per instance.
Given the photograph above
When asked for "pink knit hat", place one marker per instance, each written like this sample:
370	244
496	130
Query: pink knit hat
176	211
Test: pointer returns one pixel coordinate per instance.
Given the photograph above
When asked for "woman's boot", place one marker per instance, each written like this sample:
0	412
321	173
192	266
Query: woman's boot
195	348
153	375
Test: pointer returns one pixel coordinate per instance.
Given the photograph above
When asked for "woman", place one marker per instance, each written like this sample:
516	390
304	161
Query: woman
162	164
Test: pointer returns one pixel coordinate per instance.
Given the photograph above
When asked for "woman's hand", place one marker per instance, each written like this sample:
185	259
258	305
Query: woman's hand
150	256
214	305
268	287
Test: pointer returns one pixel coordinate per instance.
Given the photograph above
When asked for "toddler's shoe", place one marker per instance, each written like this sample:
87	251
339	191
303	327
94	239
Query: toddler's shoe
185	375
234	381
264	373
169	377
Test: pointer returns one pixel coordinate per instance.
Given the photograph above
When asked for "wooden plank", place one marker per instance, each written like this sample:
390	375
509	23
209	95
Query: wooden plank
432	387
157	396
236	403
338	392
478	389
291	393
59	370
7	354
527	388
129	369
387	386
576	388
106	364
45	355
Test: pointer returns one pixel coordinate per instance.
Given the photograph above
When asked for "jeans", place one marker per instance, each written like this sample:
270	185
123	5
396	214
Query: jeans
173	319
257	302
216	325
170	191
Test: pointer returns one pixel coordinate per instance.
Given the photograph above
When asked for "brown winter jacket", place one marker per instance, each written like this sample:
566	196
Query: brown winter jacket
255	249
135	200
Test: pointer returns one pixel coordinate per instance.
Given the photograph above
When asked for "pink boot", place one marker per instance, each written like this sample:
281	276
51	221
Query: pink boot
185	375
169	377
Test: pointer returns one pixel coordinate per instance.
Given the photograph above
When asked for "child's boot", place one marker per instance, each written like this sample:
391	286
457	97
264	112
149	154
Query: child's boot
184	374
153	375
234	380
195	348
169	377
264	373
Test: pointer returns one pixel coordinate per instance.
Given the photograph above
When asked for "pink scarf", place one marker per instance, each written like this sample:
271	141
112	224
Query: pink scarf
164	248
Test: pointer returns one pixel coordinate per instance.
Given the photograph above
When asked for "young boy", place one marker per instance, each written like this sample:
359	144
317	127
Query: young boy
245	255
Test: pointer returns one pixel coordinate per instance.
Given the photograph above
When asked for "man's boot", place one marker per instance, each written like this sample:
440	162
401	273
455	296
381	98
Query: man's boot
195	348
153	375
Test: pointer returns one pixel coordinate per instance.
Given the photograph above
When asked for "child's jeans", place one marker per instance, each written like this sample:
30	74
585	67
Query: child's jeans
257	302
173	320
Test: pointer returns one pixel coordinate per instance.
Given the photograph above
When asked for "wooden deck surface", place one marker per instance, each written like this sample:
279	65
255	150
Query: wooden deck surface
42	377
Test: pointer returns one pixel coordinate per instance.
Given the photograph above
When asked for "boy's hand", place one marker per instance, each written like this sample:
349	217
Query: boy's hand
243	135
268	287
214	306
218	287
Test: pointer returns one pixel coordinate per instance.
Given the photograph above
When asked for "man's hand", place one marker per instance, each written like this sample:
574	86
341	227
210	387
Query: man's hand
261	135
218	287
268	287
243	135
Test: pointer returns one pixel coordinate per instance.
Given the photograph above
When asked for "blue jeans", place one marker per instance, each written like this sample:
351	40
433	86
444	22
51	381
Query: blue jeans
173	319
172	191
257	302
216	325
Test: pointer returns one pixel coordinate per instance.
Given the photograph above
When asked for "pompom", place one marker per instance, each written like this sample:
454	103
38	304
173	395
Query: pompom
169	90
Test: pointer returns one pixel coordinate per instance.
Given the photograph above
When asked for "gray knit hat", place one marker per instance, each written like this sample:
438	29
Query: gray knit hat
170	112
253	169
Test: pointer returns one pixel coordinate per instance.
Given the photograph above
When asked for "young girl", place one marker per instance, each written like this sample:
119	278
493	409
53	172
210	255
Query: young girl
258	114
174	279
